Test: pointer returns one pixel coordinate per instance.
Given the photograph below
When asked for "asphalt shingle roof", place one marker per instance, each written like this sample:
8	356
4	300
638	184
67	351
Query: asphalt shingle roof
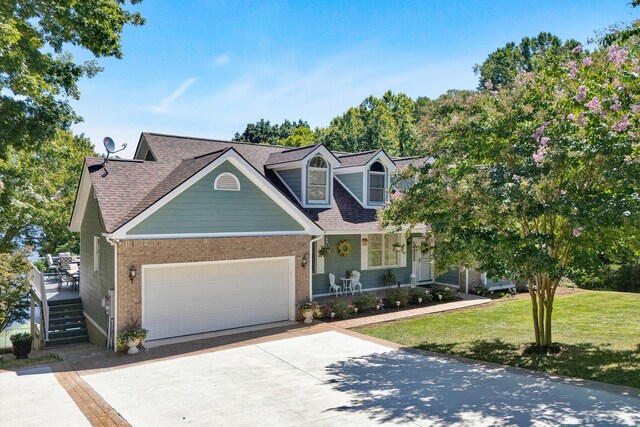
132	186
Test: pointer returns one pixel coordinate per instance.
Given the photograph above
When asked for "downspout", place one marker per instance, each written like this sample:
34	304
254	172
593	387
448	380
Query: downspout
311	242
114	243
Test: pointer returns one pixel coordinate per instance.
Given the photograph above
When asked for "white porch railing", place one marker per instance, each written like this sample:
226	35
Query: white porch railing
36	280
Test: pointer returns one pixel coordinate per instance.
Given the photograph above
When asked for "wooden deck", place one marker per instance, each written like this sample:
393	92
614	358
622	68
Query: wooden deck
56	294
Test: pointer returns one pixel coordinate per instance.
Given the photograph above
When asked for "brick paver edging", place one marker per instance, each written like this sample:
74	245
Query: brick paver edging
90	403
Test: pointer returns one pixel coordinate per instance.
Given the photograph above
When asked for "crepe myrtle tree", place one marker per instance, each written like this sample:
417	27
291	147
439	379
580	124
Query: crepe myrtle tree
536	178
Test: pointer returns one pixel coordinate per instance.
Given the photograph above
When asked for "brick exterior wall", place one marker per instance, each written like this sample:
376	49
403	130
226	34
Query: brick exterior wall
166	251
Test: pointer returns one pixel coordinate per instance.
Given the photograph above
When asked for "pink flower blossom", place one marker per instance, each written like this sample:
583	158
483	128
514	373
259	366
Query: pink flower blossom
577	231
563	192
586	61
516	178
538	133
571	116
446	178
635	108
622	125
538	156
617	55
428	228
573	70
616	105
494	93
577	49
581	120
449	189
397	195
488	84
594	105
582	93
544	141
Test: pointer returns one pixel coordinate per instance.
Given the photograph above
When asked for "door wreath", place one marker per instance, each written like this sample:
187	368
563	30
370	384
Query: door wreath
344	248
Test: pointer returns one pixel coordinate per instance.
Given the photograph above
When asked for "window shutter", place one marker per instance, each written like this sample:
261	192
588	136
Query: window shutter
227	182
319	259
364	253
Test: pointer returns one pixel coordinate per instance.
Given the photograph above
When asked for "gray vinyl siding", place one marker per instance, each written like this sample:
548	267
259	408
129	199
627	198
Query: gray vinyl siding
502	283
353	182
201	209
451	277
293	178
95	284
338	265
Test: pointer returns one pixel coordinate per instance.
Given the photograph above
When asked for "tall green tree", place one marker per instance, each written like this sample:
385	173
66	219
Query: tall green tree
388	122
38	194
263	132
537	178
38	74
506	63
14	288
624	32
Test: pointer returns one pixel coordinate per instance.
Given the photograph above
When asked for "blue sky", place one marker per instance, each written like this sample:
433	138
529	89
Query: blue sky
207	68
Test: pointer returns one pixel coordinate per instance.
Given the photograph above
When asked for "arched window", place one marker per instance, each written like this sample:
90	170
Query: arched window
227	182
318	176
377	183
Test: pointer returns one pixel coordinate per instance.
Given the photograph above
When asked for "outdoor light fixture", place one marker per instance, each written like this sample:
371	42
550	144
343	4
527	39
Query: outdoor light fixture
305	260
409	240
132	273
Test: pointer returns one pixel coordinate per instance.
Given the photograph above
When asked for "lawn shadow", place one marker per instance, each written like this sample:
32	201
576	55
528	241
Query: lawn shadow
583	360
413	386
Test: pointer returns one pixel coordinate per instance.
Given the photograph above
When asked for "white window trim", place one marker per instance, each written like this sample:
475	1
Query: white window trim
226	174
327	183
96	253
364	258
384	188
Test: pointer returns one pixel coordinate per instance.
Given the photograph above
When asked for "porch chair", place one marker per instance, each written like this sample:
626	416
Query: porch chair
64	259
71	275
52	268
332	285
355	281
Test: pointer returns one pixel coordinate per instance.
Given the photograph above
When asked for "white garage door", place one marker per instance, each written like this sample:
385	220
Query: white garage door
184	299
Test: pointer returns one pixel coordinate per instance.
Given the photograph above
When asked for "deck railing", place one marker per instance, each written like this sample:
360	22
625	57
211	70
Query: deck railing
36	280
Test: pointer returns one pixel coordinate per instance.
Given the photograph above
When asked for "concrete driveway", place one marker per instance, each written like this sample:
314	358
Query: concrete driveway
331	378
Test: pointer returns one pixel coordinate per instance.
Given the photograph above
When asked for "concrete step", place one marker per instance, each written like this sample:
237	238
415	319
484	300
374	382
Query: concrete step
67	325
69	333
64	341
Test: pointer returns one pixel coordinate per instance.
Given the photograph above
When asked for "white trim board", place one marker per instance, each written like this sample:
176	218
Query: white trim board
82	196
93	322
245	168
212	235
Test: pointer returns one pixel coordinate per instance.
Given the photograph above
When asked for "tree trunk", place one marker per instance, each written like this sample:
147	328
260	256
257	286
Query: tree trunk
534	311
542	308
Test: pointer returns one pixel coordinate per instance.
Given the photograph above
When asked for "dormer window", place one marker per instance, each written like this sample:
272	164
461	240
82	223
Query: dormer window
318	185
377	183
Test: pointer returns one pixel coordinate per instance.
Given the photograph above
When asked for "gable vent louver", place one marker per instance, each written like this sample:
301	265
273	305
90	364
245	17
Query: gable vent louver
226	182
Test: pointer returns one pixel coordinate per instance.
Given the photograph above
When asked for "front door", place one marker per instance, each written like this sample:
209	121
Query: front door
423	265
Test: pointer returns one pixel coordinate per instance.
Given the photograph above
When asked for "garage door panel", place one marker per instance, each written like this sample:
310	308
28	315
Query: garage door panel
196	298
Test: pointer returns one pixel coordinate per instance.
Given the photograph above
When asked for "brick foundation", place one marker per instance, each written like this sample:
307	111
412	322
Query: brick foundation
166	251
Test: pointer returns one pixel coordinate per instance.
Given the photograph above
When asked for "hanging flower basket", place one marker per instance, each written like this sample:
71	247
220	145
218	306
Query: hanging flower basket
344	248
398	247
324	251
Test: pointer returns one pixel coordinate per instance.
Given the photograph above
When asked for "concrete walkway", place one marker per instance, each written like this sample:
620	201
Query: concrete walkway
391	314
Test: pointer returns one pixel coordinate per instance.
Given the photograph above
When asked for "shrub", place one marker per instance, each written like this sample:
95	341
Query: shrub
366	301
627	278
398	294
415	293
21	344
480	289
447	293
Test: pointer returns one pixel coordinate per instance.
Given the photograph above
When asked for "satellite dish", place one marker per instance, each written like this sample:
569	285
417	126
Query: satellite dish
109	144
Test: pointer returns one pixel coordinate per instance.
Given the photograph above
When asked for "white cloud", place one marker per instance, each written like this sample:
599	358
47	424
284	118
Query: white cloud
164	105
222	60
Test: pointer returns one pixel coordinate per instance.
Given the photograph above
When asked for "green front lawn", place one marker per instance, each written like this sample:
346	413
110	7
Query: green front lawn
599	333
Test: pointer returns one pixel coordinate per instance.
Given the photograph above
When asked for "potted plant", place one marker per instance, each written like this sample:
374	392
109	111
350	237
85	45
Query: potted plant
324	251
347	274
425	247
389	278
398	247
21	344
308	309
131	337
